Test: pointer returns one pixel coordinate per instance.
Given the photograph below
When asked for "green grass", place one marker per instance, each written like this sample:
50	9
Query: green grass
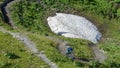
47	46
109	29
13	54
111	44
35	26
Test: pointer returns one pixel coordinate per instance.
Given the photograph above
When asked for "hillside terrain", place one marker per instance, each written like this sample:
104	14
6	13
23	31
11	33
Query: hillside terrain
30	19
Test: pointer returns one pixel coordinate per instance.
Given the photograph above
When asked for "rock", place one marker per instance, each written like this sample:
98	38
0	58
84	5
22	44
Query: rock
74	26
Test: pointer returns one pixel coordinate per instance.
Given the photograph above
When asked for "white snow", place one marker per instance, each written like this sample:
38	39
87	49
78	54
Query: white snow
74	26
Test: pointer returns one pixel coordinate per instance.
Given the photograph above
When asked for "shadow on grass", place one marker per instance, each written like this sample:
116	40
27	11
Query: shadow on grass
11	55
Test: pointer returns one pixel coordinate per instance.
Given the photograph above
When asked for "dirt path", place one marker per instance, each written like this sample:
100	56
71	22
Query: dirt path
98	55
7	8
31	46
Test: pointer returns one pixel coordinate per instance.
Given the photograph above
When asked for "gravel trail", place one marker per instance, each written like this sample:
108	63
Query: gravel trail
98	54
5	8
31	46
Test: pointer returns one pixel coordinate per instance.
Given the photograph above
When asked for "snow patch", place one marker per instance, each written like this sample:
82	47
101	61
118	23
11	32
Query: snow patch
74	26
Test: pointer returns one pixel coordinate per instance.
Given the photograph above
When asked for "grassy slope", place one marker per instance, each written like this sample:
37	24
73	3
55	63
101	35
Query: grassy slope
47	46
10	45
110	42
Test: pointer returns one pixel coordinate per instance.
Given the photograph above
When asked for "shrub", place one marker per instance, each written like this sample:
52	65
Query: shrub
11	55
